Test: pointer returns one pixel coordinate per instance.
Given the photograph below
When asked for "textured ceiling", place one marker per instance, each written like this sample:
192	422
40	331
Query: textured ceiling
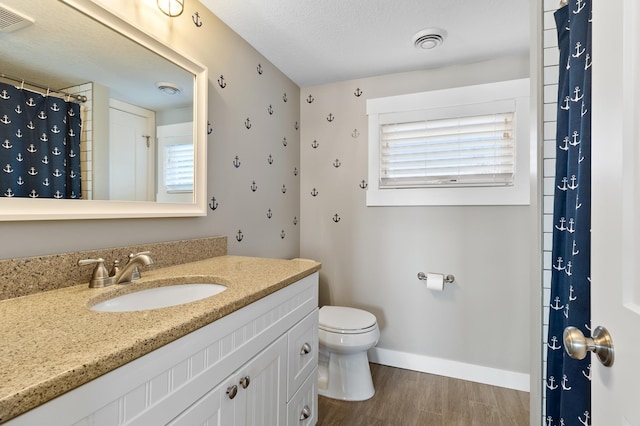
317	42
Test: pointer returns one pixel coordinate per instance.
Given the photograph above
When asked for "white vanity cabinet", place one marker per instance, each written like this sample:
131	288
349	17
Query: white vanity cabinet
255	366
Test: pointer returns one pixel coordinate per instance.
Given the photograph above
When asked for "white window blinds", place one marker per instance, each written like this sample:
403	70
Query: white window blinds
178	167
464	151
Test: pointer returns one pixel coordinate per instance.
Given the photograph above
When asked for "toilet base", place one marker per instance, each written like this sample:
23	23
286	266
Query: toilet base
345	377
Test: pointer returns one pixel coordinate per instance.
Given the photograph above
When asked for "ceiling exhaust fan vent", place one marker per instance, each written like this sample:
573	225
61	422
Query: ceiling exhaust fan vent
12	21
429	38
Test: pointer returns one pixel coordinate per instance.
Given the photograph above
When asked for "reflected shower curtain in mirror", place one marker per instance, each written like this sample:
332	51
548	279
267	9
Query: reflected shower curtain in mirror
39	145
568	381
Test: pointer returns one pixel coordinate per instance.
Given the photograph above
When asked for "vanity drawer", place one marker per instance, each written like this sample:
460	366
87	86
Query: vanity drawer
302	351
302	410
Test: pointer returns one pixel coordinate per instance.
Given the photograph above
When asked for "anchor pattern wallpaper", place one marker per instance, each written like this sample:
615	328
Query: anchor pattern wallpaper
335	148
39	145
254	159
253	145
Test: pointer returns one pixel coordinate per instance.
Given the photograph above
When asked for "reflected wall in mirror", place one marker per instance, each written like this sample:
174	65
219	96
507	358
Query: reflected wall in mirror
127	89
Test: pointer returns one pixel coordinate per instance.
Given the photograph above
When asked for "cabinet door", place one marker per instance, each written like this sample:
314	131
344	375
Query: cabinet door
254	395
264	381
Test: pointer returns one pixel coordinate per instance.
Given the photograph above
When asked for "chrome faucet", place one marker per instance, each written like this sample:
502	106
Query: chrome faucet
130	271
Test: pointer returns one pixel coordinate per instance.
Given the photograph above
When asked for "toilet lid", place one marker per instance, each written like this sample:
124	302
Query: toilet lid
345	320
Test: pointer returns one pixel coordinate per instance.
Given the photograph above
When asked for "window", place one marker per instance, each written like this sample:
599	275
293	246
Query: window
476	150
463	146
178	167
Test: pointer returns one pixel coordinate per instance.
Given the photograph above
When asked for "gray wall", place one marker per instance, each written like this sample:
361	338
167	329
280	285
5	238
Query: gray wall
247	94
371	256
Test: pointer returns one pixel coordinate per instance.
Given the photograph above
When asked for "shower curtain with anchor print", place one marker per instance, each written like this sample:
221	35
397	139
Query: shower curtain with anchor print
39	145
568	381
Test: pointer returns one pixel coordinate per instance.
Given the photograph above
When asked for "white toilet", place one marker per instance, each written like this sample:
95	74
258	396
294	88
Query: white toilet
345	335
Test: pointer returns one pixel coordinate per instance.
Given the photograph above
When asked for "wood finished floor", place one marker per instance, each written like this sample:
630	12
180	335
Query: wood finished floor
410	398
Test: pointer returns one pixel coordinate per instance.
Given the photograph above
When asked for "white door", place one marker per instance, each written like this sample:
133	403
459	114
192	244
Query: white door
131	152
615	271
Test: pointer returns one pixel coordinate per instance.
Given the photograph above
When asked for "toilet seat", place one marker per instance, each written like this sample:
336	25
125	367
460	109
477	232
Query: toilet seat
344	320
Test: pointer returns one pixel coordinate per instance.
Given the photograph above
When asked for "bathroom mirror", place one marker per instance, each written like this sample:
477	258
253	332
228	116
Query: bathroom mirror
80	46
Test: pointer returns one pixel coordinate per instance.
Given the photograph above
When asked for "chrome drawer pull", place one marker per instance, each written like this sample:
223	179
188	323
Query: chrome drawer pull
232	391
245	381
305	413
306	348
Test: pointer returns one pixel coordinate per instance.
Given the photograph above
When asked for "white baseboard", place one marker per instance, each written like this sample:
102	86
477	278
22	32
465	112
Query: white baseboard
454	369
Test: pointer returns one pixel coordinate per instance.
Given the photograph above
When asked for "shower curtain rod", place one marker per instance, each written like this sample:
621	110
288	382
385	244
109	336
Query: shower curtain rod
76	98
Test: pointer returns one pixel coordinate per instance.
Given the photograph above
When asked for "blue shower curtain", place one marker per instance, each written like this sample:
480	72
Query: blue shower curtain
39	145
568	381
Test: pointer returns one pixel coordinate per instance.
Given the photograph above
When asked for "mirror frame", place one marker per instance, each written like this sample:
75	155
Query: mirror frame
23	209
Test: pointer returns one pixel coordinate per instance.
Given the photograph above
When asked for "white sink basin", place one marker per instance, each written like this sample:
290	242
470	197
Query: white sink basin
159	297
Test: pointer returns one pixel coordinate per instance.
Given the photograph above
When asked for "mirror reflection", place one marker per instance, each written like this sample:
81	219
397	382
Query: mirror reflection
86	113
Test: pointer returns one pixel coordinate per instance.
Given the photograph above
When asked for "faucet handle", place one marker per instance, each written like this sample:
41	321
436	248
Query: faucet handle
115	268
100	276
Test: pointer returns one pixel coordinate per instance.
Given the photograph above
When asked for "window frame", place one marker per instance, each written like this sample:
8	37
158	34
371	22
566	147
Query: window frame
460	101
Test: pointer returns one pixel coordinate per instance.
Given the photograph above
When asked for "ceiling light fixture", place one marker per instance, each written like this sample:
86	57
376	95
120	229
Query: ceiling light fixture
168	88
171	8
429	38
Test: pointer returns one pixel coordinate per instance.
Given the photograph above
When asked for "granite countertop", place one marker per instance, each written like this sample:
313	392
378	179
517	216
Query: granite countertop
52	342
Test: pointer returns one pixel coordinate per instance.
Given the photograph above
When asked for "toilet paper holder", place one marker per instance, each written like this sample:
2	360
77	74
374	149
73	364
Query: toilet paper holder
447	278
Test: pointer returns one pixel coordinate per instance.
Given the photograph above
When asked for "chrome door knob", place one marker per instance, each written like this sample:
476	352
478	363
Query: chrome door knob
577	345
